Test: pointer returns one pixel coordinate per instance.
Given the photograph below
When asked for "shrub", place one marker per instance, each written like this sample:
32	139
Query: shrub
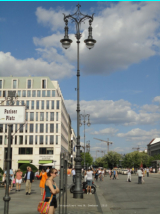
23	167
1	171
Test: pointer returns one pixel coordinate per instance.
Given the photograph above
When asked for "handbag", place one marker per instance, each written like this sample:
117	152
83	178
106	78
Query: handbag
41	202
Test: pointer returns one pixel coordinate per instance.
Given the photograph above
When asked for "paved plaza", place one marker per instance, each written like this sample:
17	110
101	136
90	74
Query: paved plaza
112	197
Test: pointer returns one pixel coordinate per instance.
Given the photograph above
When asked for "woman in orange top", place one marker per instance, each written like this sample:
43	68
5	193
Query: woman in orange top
43	180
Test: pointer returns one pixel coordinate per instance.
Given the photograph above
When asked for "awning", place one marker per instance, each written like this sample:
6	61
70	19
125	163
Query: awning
24	161
45	161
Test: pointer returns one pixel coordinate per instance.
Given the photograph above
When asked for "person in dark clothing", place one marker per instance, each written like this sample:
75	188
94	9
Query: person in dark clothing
29	178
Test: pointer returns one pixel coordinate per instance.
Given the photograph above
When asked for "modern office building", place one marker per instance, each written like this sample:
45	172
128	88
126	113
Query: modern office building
46	131
154	147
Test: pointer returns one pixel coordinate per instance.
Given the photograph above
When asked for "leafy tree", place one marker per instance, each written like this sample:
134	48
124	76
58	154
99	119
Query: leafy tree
88	159
112	159
23	167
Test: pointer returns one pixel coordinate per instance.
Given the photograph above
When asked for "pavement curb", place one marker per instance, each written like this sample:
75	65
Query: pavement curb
101	201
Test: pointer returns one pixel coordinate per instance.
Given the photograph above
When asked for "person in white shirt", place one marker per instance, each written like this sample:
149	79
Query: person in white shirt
73	174
89	180
129	175
47	170
139	173
147	172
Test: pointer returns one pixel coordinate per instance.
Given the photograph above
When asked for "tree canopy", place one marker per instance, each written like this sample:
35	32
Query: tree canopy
88	159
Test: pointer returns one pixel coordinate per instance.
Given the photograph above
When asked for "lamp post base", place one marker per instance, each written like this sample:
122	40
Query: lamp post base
78	195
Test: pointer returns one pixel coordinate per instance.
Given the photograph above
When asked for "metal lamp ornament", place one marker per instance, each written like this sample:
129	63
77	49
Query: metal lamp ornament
78	18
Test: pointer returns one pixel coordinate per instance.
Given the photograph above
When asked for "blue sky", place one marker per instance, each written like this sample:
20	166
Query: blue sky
120	76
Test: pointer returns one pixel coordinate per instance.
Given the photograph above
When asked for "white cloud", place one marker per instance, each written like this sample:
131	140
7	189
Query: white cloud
112	112
126	33
156	99
109	131
140	135
36	67
150	108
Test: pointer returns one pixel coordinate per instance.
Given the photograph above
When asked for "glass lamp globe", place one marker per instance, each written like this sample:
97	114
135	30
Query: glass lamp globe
66	43
90	43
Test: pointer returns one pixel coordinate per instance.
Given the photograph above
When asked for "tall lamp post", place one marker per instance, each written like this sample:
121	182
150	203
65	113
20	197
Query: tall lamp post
84	116
78	18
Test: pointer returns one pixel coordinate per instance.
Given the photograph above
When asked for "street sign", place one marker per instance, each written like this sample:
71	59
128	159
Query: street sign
12	114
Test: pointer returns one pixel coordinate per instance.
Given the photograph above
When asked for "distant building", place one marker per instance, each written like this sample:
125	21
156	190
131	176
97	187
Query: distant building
47	131
154	147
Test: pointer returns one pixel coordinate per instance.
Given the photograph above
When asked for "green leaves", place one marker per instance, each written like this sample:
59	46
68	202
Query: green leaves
88	159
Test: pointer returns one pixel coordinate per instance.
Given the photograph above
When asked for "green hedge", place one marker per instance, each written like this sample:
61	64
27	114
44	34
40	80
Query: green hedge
23	167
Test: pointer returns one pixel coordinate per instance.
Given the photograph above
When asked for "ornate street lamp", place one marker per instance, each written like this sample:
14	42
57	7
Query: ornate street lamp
84	116
78	18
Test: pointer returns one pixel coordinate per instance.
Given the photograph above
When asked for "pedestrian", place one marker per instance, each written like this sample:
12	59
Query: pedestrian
37	174
139	173
43	177
143	174
117	175
47	170
10	179
96	175
147	172
73	174
110	173
89	180
114	174
29	178
18	178
51	188
129	175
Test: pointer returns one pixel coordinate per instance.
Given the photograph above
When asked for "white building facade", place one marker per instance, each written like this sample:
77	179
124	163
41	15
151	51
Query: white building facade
45	134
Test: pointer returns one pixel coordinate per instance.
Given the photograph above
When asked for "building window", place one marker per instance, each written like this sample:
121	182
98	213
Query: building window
43	83
43	93
0	93
36	116
1	128
25	151
51	128
5	128
22	102
46	139
21	128
26	127
1	138
37	104
57	104
36	128
29	84
41	128
4	93
31	139
29	93
31	128
17	103
51	139
51	116
14	83
46	116
31	116
20	140
16	128
27	104
56	128
0	83
46	151
42	104
41	139
26	116
32	104
46	128
36	142
23	93
48	93
56	139
33	93
56	116
53	93
52	107
42	116
47	104
38	93
15	140
19	93
25	140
